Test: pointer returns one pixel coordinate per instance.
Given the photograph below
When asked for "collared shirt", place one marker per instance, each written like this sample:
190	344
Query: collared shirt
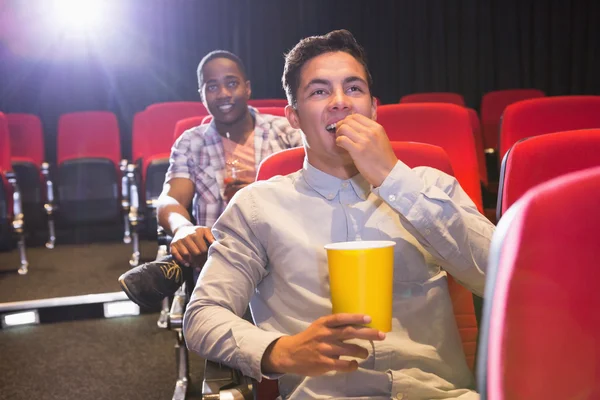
198	155
269	250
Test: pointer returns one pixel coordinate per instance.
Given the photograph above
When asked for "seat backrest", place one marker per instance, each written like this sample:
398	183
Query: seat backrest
88	134
434	97
547	115
444	125
278	111
541	332
5	149
538	159
178	107
412	154
153	128
26	137
267	102
188	123
492	107
476	126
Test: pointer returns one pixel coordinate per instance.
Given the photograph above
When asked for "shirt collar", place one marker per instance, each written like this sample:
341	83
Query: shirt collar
328	186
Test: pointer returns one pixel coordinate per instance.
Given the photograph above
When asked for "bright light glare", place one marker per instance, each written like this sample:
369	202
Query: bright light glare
120	309
21	318
79	15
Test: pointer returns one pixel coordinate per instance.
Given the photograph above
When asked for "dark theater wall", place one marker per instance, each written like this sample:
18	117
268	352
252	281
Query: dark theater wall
147	51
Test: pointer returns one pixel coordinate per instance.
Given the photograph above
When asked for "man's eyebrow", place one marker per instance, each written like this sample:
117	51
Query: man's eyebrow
351	79
213	80
317	81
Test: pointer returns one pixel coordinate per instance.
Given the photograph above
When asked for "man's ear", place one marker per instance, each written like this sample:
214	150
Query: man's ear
373	109
248	89
292	116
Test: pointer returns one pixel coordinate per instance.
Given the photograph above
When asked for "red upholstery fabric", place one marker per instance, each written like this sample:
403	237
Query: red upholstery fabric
154	128
434	97
188	123
444	125
547	115
492	107
267	102
544	328
26	137
179	107
279	111
4	145
476	126
538	159
412	154
88	134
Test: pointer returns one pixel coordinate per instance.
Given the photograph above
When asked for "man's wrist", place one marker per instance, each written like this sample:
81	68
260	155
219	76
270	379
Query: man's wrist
270	360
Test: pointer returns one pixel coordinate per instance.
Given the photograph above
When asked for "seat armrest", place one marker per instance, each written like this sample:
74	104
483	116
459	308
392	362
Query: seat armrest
222	382
17	221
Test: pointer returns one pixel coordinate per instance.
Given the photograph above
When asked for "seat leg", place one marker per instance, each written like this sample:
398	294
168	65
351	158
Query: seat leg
23	269
51	233
127	230
164	314
135	256
181	353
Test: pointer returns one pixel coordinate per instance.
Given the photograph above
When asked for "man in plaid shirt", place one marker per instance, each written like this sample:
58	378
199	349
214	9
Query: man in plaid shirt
238	137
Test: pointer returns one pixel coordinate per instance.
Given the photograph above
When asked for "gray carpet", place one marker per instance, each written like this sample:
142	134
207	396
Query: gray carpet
120	358
67	270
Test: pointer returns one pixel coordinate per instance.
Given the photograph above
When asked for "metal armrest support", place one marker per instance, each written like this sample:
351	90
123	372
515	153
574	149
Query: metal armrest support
133	217
17	221
125	200
222	382
49	206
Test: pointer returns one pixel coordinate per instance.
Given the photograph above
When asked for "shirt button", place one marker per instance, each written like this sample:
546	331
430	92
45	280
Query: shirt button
344	185
399	396
427	231
330	196
391	197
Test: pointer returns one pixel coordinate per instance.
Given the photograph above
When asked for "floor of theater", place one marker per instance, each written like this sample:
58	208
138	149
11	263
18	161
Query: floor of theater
79	356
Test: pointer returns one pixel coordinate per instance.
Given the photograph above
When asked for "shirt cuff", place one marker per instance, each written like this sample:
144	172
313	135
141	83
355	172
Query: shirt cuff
401	188
255	344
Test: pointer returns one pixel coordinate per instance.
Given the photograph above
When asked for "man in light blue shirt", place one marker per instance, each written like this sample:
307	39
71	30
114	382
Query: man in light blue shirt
269	252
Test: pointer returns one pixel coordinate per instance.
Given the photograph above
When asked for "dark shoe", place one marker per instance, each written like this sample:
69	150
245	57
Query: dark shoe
147	284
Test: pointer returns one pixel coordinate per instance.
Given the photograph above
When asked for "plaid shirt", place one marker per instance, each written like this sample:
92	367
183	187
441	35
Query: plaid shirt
198	155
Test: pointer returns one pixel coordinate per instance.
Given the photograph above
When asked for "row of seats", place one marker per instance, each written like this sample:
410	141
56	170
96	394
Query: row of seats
525	274
89	146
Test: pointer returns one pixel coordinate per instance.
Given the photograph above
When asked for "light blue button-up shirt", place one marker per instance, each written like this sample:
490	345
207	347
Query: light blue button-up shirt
269	252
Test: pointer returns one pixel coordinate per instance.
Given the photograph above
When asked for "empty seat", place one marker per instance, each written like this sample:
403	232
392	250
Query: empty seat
278	111
434	97
179	107
445	125
33	174
11	211
541	329
189	123
493	105
476	126
547	115
88	159
538	159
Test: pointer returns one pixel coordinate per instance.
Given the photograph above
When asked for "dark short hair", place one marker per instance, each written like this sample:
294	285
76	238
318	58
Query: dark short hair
313	46
219	54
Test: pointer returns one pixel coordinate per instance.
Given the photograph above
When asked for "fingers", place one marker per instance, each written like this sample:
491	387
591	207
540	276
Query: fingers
177	256
358	332
336	320
335	350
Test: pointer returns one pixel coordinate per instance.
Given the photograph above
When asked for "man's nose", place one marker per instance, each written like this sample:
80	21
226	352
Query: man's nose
224	91
339	100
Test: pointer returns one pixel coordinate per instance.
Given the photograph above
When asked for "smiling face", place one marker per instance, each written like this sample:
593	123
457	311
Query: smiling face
225	91
331	86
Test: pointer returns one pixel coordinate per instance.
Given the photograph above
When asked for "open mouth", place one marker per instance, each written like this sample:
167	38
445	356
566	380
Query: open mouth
330	128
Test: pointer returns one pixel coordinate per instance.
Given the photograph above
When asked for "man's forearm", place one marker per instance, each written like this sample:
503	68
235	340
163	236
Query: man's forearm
172	215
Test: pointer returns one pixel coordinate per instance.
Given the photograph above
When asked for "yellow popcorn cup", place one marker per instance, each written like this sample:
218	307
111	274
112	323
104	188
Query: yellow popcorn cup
361	277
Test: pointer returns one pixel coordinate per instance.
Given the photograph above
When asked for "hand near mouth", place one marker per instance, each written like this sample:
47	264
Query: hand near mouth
368	145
